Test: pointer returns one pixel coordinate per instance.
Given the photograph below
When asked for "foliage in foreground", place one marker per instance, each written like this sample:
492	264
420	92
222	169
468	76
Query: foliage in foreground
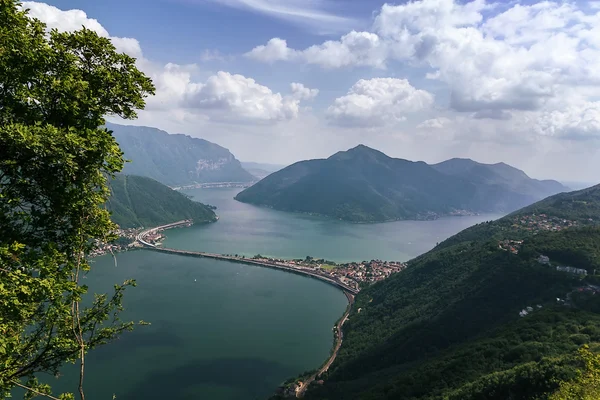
55	89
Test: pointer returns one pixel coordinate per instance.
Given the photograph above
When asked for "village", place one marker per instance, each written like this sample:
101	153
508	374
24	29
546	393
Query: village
542	222
126	240
353	274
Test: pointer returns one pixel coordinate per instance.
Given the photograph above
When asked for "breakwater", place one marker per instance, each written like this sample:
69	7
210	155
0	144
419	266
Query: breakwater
276	265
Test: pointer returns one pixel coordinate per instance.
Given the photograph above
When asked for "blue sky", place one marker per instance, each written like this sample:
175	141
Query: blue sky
204	24
284	80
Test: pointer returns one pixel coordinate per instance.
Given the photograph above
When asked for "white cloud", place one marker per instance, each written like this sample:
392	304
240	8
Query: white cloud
353	49
576	122
377	102
276	49
223	97
72	20
301	92
434	123
312	13
519	59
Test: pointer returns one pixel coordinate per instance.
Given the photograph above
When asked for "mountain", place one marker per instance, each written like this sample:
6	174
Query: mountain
137	201
480	317
261	170
365	185
176	160
500	174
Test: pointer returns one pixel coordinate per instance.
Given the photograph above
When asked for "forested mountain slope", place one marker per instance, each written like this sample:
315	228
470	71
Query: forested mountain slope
365	185
500	174
478	317
176	160
578	208
137	201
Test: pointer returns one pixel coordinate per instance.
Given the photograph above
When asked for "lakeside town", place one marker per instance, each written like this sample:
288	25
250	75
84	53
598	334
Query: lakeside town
126	241
353	274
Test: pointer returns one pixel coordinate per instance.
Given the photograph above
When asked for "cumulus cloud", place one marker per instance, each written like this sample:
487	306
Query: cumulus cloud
72	20
353	49
223	96
576	122
378	101
518	57
301	92
276	49
434	123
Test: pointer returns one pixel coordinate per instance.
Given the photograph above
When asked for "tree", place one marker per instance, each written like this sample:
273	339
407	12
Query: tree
55	91
587	384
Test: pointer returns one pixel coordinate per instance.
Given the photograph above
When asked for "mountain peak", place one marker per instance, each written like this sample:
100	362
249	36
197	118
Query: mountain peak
358	151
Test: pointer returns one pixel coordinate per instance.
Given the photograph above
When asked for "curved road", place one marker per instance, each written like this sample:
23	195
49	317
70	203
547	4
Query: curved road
339	337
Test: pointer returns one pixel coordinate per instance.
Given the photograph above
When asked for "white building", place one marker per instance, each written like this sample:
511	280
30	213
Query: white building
572	270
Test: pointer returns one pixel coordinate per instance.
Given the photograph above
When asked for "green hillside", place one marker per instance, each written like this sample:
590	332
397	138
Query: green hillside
138	201
365	185
449	326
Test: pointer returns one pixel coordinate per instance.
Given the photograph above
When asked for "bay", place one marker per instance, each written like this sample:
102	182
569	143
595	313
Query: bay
219	330
248	230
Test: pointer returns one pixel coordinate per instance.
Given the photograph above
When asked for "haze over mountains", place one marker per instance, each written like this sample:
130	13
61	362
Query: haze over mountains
175	159
261	170
365	185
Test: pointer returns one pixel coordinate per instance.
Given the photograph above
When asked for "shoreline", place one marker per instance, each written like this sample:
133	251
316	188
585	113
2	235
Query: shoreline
432	217
339	337
326	279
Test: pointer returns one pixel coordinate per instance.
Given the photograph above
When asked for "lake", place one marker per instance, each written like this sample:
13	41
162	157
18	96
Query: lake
227	331
248	230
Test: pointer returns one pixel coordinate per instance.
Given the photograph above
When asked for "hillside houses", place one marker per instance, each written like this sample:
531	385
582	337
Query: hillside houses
572	270
542	222
545	260
512	246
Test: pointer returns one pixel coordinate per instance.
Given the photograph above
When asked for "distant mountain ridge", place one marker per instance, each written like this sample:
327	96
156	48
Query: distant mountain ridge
261	170
365	185
176	159
499	174
138	201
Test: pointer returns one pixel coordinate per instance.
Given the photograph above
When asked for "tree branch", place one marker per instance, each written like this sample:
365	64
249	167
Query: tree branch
19	384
